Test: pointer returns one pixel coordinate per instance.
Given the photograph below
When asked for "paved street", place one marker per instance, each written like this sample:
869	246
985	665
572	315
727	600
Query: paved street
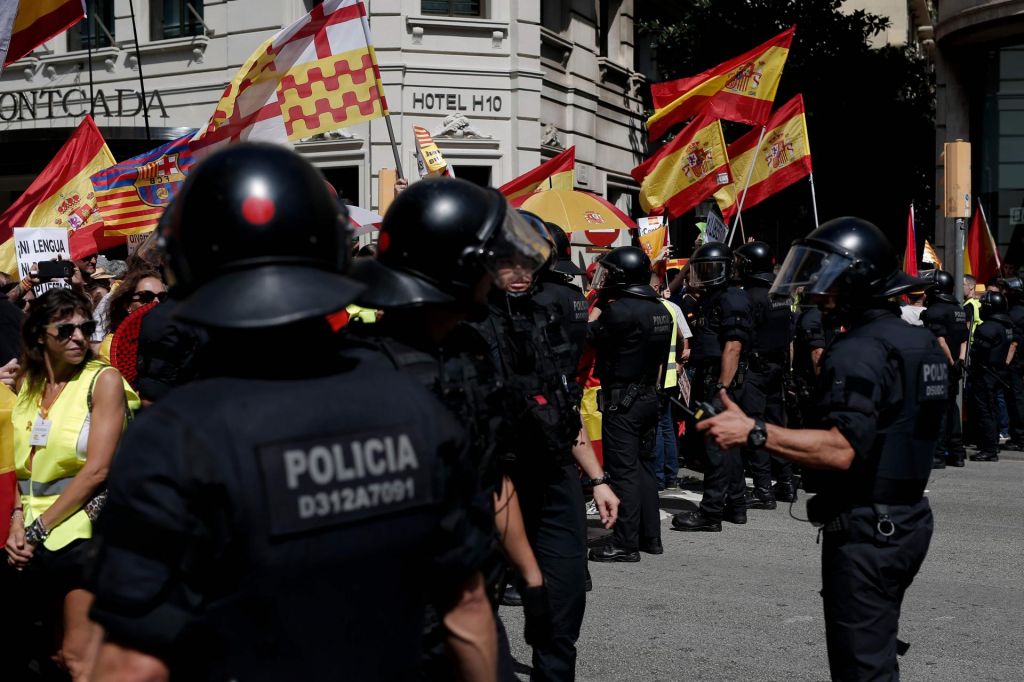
743	604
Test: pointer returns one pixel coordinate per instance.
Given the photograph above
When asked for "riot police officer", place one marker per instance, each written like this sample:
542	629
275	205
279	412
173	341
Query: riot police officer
721	334
762	395
882	388
259	527
989	372
531	347
565	301
945	317
630	331
1013	290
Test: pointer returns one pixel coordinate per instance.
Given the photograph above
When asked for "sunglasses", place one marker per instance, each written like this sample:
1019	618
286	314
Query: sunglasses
66	330
147	297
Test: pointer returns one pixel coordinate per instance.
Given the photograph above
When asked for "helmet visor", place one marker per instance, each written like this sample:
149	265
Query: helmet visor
807	270
709	274
516	245
600	279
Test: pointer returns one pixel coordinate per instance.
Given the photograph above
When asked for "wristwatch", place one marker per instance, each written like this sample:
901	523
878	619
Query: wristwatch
599	481
758	435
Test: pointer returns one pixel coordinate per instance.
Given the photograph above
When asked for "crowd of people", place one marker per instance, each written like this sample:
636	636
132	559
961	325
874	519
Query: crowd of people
192	503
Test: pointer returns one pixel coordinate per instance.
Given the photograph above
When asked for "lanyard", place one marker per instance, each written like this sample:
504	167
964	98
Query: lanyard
44	412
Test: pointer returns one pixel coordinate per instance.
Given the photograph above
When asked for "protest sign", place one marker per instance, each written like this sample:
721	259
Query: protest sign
34	245
134	241
716	230
653	236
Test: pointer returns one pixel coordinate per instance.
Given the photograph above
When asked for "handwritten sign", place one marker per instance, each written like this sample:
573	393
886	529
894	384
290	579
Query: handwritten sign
37	244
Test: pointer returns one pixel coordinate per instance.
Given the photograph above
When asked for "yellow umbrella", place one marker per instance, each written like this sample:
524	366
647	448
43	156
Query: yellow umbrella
573	210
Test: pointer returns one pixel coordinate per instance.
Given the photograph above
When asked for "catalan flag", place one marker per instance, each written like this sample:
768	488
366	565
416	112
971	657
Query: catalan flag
317	75
558	172
428	157
27	24
981	254
741	89
61	195
783	157
685	171
910	250
132	195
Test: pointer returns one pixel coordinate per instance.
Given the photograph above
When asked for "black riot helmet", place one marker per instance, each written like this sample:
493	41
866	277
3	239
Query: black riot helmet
993	303
626	270
1013	289
846	256
438	239
562	264
255	240
939	285
709	266
755	261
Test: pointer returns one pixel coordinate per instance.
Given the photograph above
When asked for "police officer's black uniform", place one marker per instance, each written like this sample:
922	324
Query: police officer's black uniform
725	314
288	518
1013	290
883	386
989	372
946	319
631	341
763	392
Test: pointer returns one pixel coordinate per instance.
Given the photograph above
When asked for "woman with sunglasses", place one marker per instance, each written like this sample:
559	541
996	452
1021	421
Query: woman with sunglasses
68	418
141	286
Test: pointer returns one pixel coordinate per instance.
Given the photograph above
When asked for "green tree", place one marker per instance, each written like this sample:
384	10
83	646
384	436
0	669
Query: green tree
870	112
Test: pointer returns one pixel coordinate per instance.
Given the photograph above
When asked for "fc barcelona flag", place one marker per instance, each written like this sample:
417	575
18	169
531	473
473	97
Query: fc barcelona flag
133	194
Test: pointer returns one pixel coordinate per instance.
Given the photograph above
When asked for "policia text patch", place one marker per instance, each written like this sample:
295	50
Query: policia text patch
341	478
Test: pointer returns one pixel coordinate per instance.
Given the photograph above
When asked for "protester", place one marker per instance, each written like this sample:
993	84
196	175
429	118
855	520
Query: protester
991	353
666	446
68	419
912	309
140	287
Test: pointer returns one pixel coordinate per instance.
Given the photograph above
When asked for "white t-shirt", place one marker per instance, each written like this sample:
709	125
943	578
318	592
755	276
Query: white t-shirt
681	325
912	314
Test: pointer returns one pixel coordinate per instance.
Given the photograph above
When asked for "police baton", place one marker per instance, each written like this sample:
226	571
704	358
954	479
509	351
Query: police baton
703	411
996	377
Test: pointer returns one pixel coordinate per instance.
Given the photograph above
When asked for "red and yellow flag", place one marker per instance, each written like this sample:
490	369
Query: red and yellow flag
910	250
62	194
783	158
317	75
685	171
741	89
981	253
8	478
27	24
429	158
557	172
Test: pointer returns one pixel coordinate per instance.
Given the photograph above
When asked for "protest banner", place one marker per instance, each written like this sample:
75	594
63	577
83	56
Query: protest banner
653	236
134	241
34	245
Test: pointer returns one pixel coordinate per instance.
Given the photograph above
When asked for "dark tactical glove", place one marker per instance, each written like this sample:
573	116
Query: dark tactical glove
537	612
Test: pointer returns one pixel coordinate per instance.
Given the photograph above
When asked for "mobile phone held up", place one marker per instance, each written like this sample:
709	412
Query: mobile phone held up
55	269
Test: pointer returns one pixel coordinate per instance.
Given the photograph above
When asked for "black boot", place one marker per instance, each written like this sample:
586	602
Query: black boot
985	457
956	461
785	491
761	498
938	463
696	521
613	553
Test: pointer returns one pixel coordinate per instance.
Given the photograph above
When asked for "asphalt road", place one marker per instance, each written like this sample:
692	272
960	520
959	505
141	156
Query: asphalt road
743	604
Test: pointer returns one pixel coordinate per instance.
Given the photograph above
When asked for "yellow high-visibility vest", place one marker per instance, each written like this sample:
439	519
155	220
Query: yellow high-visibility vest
671	377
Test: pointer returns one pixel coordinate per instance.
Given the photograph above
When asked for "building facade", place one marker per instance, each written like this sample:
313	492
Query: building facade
501	85
978	48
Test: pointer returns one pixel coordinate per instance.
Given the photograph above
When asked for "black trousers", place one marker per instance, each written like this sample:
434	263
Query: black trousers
723	474
984	385
864	578
553	511
950	442
627	439
1015	400
762	396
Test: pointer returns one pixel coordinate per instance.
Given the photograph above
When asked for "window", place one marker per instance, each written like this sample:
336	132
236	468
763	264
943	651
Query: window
453	8
176	18
344	179
89	33
478	175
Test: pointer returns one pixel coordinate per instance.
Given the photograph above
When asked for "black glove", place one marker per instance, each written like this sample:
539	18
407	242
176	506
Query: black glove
537	612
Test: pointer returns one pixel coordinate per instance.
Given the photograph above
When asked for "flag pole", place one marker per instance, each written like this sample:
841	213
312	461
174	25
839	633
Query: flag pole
88	44
814	200
138	64
746	185
365	22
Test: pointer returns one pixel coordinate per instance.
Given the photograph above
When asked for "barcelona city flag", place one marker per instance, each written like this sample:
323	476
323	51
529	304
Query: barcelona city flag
981	253
27	24
685	171
61	195
132	195
317	75
558	172
741	89
783	157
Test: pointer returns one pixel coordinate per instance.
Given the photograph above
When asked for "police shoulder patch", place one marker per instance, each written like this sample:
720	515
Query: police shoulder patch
343	478
933	380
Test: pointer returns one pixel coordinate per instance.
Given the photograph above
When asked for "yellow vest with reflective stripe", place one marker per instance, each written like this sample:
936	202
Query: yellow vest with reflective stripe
671	378
59	461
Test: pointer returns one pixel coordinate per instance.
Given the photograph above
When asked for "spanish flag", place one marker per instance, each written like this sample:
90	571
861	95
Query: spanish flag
62	194
557	172
741	89
783	158
685	171
27	24
981	254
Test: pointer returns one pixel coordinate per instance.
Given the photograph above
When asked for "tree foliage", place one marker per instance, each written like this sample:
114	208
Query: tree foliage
870	112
